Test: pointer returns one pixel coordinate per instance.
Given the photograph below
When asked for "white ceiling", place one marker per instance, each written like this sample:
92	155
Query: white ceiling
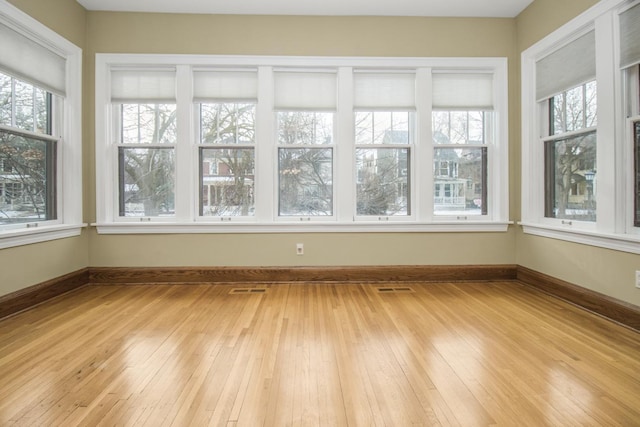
457	8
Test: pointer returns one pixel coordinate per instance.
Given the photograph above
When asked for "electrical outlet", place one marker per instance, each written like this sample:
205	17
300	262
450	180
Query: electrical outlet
299	249
637	279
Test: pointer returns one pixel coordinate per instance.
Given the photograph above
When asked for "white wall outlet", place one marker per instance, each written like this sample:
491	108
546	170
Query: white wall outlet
637	279
299	249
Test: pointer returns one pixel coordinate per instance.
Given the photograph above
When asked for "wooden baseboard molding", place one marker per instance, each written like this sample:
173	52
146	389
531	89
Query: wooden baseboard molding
26	298
104	275
603	305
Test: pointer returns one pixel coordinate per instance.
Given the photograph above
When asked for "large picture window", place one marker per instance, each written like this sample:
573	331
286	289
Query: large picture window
256	144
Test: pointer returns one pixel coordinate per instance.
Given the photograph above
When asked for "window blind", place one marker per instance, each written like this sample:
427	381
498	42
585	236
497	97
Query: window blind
455	91
143	85
225	85
389	91
630	37
567	67
27	59
305	90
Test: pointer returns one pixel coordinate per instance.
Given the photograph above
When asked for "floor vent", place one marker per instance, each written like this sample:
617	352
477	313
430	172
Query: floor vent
394	290
248	291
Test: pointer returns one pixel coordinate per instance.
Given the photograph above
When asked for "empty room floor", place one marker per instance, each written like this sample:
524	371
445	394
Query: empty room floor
317	354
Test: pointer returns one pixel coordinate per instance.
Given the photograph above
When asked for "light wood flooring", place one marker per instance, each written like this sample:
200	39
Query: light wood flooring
463	354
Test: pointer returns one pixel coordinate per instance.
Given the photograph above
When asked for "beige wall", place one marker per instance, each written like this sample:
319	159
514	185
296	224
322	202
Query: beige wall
312	36
609	272
31	264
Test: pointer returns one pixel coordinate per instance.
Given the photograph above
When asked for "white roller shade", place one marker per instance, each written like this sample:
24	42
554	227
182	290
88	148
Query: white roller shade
143	85
28	60
391	91
225	85
305	90
567	67
456	91
630	37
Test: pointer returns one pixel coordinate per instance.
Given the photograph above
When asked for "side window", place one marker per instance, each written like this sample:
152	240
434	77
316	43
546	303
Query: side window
566	91
28	153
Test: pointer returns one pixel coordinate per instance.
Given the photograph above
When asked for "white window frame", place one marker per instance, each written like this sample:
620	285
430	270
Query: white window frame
67	127
613	227
265	219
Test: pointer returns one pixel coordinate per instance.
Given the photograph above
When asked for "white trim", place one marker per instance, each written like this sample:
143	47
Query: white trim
618	242
306	227
26	236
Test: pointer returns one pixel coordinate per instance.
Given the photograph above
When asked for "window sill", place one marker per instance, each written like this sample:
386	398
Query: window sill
26	236
619	242
294	227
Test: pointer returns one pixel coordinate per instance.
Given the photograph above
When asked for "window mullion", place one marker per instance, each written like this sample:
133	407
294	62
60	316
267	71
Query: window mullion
344	173
266	154
185	168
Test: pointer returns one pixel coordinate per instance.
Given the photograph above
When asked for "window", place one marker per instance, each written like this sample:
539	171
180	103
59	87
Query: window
305	103
385	105
40	188
227	174
580	130
226	122
305	163
256	144
383	162
463	129
28	160
570	155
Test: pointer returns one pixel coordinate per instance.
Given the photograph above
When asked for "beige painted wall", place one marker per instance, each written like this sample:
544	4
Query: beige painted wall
609	272
314	36
31	264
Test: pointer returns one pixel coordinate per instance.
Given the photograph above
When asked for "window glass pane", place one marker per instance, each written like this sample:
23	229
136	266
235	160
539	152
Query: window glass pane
226	182
459	127
574	109
636	134
382	127
146	181
148	123
460	181
227	123
27	179
382	181
305	181
571	181
305	127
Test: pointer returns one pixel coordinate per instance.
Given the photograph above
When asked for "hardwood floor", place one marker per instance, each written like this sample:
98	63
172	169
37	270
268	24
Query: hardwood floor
484	353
